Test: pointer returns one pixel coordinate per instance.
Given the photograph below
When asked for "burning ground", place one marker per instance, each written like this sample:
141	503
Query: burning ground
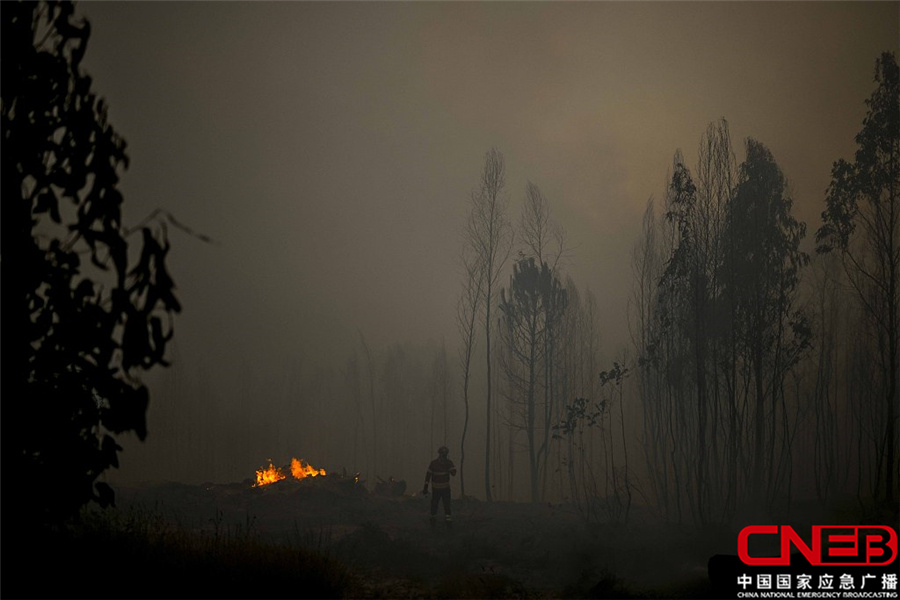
384	538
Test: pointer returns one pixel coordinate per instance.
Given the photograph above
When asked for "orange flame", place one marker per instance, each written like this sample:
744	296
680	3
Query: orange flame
271	474
265	476
300	472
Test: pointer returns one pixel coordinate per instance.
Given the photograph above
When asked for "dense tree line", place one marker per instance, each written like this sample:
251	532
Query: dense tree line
753	358
720	331
745	373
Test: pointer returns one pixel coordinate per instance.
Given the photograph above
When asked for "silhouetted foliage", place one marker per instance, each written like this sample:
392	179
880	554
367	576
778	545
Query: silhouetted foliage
861	223
764	260
531	306
722	333
88	315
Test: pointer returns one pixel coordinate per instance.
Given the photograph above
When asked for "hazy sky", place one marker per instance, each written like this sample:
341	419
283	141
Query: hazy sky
330	147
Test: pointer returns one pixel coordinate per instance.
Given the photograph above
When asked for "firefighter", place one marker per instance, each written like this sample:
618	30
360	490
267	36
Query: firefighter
439	472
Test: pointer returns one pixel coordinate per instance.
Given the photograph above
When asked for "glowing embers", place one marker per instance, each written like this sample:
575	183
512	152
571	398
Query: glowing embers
271	474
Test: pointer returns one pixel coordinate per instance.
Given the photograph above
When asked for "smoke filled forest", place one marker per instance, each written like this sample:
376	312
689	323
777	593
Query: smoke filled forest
635	266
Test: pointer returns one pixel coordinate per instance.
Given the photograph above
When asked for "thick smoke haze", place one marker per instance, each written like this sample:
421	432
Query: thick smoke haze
330	149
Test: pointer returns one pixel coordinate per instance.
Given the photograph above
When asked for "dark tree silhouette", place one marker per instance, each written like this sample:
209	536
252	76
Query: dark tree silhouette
533	302
86	311
467	308
861	223
489	236
763	261
685	289
721	333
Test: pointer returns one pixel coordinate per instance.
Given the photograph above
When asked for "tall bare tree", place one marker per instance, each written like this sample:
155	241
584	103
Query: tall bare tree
542	237
544	240
468	307
489	235
717	172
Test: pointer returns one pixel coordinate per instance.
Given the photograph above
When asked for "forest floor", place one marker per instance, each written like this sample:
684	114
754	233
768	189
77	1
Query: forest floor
489	550
329	537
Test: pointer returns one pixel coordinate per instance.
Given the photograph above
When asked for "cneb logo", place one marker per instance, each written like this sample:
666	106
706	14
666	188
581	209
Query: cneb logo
831	545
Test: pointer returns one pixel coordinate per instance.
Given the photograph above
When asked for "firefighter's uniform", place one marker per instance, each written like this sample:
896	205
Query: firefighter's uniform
439	472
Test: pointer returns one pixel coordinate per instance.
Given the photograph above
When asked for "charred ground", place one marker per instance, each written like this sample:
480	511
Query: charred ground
331	537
